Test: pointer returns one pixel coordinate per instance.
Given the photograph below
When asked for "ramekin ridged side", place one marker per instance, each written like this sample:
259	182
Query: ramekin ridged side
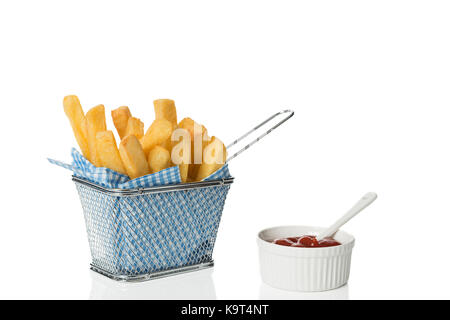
304	269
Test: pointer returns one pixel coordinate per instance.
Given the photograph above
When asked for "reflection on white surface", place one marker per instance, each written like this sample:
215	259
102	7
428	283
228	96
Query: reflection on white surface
269	293
193	285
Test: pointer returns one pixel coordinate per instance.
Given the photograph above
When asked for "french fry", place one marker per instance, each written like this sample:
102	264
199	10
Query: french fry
158	133
165	109
108	153
133	157
120	118
95	119
158	159
199	139
135	127
184	170
214	157
188	124
197	152
74	112
168	144
181	151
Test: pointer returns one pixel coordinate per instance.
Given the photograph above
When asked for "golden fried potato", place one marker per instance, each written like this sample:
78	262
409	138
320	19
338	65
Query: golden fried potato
133	157
74	112
200	139
215	155
96	122
168	144
108	153
135	127
120	118
158	133
188	124
181	151
165	109
197	150
184	170
158	159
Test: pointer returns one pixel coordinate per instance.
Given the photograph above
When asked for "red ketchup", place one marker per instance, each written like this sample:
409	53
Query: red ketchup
306	242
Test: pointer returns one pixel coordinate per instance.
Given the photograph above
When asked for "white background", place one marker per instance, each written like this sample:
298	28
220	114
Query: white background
368	80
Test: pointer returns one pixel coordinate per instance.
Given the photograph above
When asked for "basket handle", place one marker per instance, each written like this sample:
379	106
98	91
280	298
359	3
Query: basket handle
290	114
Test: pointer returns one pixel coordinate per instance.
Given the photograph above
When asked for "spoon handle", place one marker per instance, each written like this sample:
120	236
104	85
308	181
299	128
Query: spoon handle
363	203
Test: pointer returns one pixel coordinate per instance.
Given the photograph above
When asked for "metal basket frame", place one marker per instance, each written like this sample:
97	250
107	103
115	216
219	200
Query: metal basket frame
197	188
157	189
142	192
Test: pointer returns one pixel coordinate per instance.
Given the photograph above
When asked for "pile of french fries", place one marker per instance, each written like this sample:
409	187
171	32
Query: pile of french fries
166	142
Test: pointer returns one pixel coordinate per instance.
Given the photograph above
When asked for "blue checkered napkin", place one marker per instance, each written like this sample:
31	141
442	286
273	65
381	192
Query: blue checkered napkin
222	173
66	166
103	176
108	178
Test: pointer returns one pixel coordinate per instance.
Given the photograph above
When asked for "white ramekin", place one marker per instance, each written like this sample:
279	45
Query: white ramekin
304	269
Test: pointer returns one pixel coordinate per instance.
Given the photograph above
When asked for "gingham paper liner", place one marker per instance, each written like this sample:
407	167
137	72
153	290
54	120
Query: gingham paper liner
108	178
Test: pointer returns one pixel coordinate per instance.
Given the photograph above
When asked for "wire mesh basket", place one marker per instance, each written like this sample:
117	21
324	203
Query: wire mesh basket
147	233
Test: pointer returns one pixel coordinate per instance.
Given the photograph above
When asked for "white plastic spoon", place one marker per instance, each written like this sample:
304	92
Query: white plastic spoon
357	208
